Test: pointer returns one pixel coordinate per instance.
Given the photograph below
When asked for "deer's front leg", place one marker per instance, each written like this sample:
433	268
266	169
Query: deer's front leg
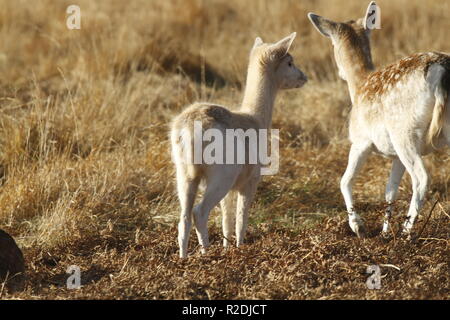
358	155
397	171
228	205
244	201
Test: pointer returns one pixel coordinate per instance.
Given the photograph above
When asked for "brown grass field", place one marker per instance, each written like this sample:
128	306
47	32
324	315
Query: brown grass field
85	170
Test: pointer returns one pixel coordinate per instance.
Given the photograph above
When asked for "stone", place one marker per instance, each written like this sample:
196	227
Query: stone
12	264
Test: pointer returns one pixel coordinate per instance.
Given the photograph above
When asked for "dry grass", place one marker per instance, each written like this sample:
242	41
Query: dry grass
85	168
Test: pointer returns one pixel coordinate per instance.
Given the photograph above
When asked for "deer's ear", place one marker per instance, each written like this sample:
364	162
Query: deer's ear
258	42
281	48
324	26
372	18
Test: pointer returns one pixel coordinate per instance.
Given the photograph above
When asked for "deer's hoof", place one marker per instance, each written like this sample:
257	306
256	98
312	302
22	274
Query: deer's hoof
357	225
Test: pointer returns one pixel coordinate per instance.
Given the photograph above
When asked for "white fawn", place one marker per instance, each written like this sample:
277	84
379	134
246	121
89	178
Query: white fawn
401	111
270	68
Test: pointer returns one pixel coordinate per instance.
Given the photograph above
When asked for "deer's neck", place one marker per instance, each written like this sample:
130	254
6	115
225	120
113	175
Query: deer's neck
355	80
259	95
357	68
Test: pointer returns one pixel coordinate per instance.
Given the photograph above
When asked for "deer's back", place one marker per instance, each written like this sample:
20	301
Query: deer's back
214	116
396	100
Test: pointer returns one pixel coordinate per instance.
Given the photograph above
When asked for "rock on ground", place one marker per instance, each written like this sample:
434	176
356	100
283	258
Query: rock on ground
12	264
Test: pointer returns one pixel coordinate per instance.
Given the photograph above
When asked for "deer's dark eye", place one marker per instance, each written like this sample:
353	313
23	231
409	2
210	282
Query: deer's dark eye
290	64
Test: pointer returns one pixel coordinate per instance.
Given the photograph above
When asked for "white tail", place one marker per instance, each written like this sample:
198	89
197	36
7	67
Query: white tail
438	118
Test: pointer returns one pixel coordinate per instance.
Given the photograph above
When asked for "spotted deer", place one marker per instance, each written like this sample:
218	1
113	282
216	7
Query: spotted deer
270	68
401	111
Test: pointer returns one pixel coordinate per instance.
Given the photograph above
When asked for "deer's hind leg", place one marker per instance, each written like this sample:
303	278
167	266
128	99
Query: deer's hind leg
413	162
187	190
219	180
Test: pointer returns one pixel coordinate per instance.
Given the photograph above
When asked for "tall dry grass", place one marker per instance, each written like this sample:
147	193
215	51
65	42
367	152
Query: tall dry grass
84	113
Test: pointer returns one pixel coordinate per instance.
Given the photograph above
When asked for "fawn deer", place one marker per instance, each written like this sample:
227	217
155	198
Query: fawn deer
270	68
